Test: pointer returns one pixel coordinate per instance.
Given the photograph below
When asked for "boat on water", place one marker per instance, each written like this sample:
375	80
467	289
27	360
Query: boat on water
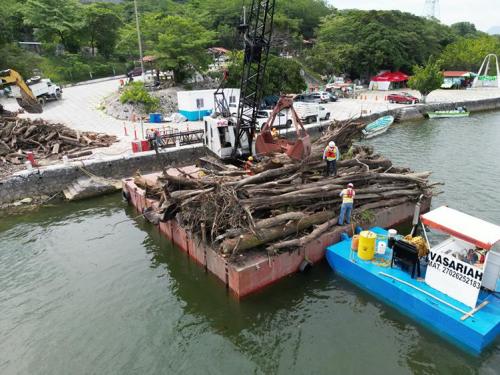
458	112
379	126
452	290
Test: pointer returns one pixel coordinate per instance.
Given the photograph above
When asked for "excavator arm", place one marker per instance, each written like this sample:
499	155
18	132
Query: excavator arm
28	100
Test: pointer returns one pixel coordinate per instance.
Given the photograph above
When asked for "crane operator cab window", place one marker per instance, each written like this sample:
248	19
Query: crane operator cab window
224	136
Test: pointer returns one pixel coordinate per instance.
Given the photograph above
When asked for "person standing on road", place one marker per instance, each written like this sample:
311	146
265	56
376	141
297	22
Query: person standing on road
347	203
331	155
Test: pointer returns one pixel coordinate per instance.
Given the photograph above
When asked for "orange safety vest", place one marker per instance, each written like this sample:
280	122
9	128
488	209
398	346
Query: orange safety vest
348	195
248	167
331	153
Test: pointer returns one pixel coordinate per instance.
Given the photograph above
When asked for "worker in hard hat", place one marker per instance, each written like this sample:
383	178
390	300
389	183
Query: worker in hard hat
275	133
331	155
150	137
249	166
347	203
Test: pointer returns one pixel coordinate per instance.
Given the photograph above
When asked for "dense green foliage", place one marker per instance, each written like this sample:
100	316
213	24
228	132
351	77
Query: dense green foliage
468	53
135	92
82	41
361	43
282	75
426	79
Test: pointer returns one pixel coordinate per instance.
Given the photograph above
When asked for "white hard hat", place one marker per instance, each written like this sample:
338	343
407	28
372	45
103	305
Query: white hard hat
350	185
331	144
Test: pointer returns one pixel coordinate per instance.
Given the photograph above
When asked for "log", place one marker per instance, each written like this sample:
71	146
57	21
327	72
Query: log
55	148
79	154
263	236
179	183
265	176
70	141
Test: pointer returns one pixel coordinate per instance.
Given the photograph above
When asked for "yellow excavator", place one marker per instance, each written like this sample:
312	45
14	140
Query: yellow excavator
28	100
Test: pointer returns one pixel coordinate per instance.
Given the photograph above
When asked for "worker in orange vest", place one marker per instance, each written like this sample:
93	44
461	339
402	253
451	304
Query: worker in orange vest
249	165
275	134
331	155
347	203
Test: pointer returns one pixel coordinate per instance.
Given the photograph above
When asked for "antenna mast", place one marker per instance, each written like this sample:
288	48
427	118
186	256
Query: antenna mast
431	9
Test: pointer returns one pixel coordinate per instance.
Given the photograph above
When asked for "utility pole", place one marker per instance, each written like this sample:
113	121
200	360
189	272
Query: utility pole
139	38
431	9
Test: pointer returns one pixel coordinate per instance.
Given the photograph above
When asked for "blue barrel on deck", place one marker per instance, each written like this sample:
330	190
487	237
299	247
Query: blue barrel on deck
155	118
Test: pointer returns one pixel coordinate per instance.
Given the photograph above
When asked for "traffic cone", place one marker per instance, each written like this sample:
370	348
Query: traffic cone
31	159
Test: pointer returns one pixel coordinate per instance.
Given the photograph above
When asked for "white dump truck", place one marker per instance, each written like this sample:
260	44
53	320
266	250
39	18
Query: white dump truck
311	112
42	88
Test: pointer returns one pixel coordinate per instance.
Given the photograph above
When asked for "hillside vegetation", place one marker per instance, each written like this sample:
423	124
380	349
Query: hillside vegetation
83	41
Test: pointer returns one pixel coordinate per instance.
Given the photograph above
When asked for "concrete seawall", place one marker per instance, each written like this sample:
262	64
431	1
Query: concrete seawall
419	111
52	179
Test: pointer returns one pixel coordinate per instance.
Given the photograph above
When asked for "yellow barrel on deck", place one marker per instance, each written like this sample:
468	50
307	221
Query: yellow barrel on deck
366	246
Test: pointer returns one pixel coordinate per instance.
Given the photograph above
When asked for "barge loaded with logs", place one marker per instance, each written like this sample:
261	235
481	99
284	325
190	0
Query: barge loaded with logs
251	228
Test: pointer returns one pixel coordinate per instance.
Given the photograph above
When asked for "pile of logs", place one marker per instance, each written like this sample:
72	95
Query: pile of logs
285	204
18	135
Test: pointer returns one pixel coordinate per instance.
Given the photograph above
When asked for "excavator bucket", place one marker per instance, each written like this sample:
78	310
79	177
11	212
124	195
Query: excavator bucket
30	106
301	148
298	149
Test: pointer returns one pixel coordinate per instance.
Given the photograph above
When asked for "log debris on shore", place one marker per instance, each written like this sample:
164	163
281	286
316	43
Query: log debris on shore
45	140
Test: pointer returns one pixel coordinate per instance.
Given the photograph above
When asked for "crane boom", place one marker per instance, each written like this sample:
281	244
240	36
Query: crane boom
257	34
28	100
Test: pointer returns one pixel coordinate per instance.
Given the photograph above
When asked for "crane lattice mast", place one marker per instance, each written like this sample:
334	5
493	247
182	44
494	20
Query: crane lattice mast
257	31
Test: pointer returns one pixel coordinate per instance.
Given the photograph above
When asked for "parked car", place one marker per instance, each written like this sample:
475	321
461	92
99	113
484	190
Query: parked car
136	72
315	97
332	97
309	112
402	98
280	122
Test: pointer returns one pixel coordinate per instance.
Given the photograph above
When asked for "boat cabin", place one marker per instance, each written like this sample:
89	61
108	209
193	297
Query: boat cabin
466	261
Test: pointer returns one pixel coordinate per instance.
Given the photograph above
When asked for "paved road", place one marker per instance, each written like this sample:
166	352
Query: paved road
78	108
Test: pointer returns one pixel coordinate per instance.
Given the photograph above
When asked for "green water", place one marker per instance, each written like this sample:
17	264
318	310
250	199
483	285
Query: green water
81	296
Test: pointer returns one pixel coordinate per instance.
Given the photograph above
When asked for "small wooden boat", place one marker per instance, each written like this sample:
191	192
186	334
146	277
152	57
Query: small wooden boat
378	127
459	112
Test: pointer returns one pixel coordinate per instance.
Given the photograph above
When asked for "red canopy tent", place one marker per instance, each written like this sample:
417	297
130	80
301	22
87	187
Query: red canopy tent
388	81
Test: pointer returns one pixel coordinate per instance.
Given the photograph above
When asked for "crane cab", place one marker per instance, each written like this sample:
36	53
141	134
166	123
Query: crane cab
220	137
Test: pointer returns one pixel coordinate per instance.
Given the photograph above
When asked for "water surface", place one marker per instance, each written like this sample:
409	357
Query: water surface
81	294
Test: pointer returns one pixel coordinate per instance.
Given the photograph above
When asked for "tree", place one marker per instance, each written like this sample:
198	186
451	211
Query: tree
282	76
468	53
182	45
426	79
465	29
361	43
307	12
59	20
101	27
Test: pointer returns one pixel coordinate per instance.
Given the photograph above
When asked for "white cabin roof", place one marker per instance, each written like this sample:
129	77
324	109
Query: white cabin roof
463	226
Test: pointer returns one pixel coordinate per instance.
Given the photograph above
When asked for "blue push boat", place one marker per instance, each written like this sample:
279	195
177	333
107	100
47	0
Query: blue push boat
439	312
